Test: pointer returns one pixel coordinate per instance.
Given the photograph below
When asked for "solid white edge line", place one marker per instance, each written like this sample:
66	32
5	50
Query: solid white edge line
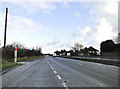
79	64
59	77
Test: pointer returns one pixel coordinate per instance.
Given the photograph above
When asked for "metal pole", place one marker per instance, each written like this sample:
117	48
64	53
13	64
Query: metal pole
5	34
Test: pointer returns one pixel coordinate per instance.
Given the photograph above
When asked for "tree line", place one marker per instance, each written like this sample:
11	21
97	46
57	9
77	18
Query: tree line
22	51
109	46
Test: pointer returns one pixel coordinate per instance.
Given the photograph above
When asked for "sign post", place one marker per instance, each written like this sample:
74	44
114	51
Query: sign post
15	58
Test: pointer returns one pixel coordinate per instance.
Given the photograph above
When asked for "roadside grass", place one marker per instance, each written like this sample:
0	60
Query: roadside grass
29	58
26	58
10	62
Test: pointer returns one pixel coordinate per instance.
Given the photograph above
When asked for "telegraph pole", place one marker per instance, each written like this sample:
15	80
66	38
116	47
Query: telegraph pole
5	34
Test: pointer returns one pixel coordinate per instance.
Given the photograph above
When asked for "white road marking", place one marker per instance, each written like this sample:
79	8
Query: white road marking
53	68
64	84
66	87
79	64
49	63
99	64
59	77
55	72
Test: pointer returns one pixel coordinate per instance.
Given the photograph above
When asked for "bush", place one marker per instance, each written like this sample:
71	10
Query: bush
21	51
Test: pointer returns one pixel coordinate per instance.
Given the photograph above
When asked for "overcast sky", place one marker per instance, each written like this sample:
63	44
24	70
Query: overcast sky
58	25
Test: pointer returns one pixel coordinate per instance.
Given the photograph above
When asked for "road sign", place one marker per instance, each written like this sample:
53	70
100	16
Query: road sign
15	58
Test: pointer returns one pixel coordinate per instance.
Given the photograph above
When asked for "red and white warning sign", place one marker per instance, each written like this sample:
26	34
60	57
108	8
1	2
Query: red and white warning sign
15	58
15	49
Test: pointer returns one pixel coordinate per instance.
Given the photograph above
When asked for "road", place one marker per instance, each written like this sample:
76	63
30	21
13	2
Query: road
61	72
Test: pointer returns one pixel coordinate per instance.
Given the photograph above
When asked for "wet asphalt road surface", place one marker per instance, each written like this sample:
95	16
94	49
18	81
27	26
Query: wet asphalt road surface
61	72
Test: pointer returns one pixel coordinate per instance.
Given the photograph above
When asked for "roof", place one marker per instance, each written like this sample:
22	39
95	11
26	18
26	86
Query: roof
92	49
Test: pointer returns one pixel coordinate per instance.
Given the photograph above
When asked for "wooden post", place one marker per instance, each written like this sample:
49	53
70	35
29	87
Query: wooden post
5	34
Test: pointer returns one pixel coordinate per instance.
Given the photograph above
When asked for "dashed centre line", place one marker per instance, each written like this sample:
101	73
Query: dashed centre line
55	72
53	68
59	77
64	84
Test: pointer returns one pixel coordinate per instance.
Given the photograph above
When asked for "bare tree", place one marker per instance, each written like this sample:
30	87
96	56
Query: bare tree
0	44
118	38
38	48
77	47
18	45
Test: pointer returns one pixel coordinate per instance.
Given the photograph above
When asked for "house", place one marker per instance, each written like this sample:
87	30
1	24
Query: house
92	51
110	50
88	51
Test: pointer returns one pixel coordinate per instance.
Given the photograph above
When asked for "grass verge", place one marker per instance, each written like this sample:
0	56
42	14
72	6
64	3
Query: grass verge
26	58
10	62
